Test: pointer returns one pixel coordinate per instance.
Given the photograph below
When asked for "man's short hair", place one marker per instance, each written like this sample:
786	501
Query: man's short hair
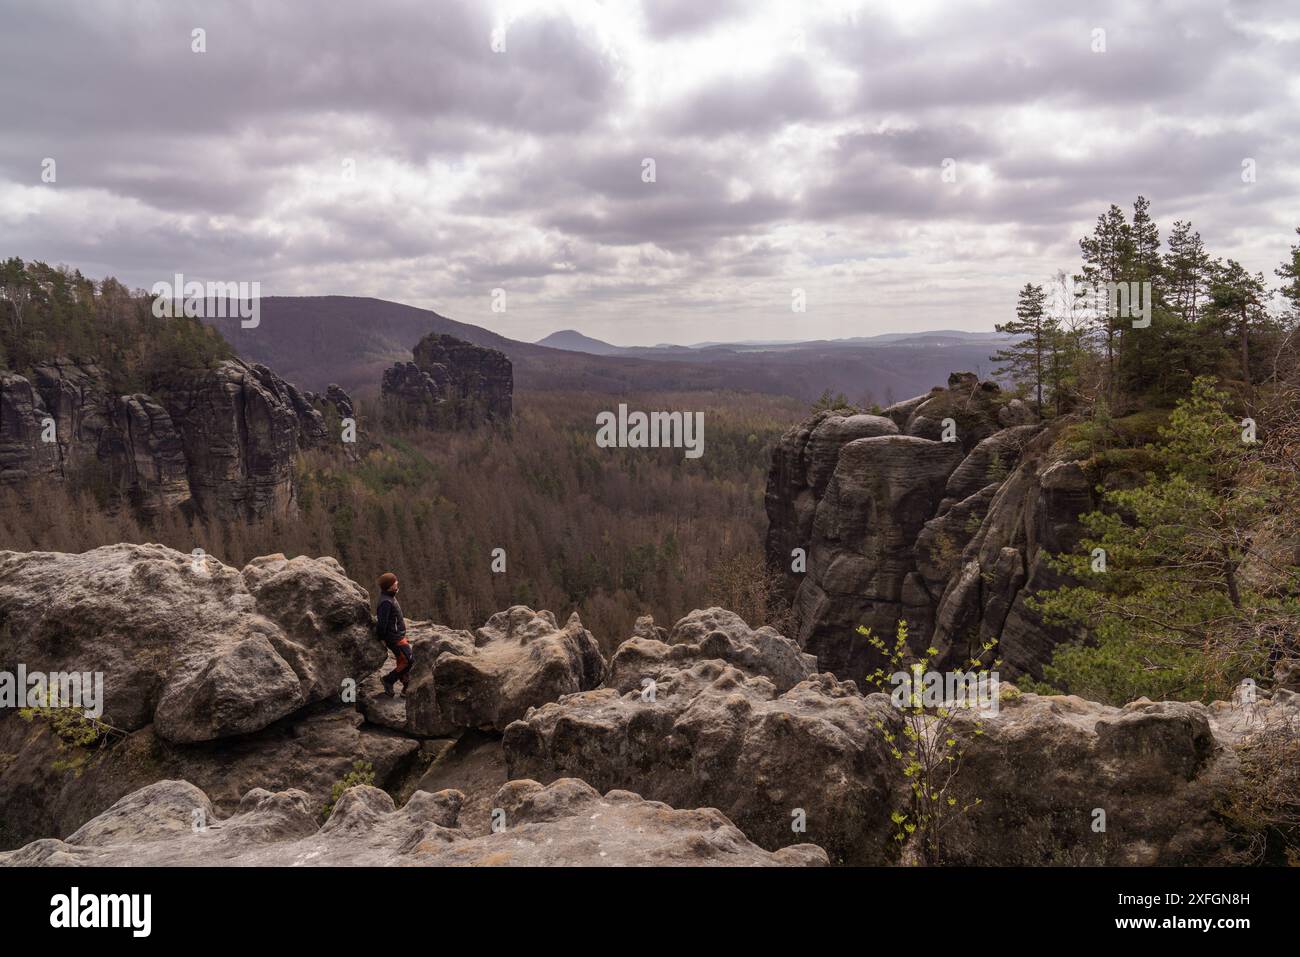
386	581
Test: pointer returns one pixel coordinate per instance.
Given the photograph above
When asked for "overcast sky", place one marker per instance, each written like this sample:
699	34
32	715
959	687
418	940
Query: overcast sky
387	149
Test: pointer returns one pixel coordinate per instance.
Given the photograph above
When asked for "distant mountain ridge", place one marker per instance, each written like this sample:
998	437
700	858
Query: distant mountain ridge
575	341
349	340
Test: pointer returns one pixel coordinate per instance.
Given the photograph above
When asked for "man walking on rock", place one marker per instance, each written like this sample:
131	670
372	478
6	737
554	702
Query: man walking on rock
391	629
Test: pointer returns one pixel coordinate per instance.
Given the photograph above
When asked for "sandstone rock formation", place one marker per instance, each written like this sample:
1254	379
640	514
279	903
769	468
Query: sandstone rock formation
1033	774
712	633
222	441
518	660
23	455
813	757
896	523
124	443
229	690
451	384
334	397
265	677
48	786
565	823
196	648
241	427
1161	772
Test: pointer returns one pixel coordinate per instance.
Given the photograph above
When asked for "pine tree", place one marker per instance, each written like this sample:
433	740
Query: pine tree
1139	359
16	288
1144	263
1024	359
1290	271
1187	270
1106	255
1239	299
1188	601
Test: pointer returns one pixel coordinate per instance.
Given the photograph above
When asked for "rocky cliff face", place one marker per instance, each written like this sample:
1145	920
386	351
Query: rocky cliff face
220	441
245	695
898	518
241	426
451	384
23	454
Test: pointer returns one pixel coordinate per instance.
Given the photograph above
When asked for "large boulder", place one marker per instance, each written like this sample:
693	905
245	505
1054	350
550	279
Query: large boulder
416	712
1061	780
48	786
199	649
234	679
518	660
711	633
811	764
564	824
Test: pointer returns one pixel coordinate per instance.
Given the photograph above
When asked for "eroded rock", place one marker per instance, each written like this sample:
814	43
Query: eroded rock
712	633
222	441
193	646
1061	780
814	756
566	823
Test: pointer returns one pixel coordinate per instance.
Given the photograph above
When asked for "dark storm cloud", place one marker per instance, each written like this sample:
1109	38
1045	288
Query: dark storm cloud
113	91
919	147
129	67
674	221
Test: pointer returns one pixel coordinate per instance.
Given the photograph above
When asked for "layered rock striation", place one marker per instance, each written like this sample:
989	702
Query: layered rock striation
221	441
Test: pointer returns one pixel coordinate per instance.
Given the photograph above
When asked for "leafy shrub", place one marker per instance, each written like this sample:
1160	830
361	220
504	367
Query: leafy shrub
363	772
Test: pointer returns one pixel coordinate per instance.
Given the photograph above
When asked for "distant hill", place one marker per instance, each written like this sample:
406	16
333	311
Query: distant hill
315	340
575	341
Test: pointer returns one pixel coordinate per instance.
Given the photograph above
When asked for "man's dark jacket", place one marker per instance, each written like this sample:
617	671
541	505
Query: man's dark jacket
391	626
